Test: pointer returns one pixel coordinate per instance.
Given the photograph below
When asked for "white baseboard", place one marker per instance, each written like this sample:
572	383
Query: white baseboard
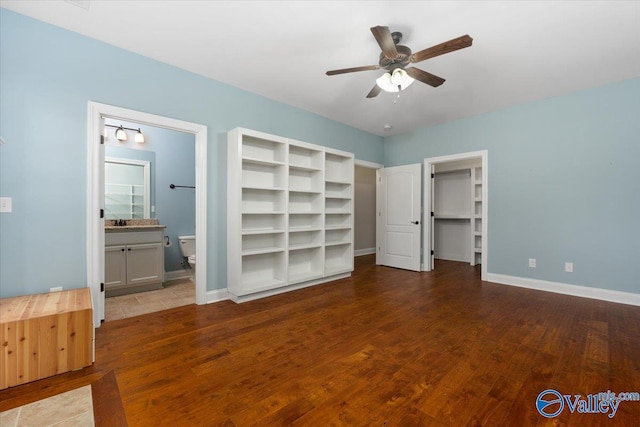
567	289
217	295
177	274
367	251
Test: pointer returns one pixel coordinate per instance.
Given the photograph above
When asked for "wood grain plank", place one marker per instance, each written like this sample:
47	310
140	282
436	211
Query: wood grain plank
385	347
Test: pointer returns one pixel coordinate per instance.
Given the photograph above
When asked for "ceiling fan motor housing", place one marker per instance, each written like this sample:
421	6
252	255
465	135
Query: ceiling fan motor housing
403	58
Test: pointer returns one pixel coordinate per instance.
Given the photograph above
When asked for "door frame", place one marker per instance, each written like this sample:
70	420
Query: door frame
427	188
96	112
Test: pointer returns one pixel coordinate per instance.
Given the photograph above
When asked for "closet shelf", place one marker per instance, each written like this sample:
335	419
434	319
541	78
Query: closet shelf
337	227
452	216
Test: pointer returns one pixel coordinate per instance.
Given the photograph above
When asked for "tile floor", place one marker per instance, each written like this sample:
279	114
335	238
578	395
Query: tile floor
175	293
73	409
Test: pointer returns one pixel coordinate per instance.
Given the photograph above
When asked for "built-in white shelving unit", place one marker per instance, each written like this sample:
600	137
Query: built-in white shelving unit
476	215
289	214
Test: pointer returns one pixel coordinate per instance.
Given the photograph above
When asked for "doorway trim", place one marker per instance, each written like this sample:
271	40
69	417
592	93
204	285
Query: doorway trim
96	113
426	230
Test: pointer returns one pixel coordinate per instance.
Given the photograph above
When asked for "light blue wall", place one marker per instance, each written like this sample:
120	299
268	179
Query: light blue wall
564	183
174	163
47	76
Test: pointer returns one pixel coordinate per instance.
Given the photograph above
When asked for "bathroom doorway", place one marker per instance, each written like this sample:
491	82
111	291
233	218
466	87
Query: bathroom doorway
97	113
149	180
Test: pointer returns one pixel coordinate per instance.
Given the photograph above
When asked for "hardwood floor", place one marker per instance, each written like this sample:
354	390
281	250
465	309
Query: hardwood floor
386	347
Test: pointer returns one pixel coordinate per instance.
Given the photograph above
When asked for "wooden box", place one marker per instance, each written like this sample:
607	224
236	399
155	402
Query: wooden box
44	335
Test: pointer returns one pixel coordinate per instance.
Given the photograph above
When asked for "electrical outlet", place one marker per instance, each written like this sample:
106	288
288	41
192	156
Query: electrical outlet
5	204
56	289
568	267
532	263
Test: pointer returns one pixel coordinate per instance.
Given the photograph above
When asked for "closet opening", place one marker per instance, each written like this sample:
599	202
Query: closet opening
456	206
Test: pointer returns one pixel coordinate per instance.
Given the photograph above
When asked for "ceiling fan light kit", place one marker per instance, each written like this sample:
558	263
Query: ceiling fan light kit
394	81
394	58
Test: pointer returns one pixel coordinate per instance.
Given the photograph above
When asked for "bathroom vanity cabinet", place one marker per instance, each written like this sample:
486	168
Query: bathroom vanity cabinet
133	260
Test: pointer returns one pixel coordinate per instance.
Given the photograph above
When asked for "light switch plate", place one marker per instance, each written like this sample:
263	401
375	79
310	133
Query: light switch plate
568	267
5	204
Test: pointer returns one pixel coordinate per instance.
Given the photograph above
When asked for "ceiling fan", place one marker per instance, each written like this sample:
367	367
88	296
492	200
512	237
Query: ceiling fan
395	58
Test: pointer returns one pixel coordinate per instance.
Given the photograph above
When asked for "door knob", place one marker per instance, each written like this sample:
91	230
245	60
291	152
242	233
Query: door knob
415	222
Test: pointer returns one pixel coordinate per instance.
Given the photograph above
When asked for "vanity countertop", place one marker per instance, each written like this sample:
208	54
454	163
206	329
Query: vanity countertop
117	228
149	224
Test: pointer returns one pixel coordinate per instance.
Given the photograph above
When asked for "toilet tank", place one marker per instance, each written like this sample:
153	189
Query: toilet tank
187	245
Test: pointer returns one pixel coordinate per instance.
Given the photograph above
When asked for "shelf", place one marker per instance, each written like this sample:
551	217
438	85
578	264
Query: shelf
477	250
256	187
260	212
336	181
337	197
336	212
304	246
477	233
256	282
337	227
262	231
304	168
345	242
305	213
303	229
260	251
445	216
257	161
304	276
304	191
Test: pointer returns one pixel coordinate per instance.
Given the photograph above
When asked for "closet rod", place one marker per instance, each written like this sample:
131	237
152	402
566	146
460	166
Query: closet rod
172	186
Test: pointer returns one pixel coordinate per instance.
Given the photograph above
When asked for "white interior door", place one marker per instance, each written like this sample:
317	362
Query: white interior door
398	226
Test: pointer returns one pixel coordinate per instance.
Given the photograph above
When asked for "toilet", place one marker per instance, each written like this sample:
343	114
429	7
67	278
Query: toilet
188	250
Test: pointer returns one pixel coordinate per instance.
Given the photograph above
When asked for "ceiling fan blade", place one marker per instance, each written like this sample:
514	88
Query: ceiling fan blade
442	48
353	70
424	77
374	92
384	39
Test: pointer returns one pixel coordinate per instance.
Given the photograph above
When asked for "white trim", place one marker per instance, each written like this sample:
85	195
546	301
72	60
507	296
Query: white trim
178	274
367	251
217	295
426	220
96	113
567	289
367	164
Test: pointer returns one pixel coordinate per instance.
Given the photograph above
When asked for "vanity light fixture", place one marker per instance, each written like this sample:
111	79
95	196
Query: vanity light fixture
139	137
121	135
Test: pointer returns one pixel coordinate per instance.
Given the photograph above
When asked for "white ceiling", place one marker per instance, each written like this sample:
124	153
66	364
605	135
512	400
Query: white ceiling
522	51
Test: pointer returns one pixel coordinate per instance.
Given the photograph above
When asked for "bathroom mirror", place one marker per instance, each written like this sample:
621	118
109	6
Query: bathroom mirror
129	183
127	188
